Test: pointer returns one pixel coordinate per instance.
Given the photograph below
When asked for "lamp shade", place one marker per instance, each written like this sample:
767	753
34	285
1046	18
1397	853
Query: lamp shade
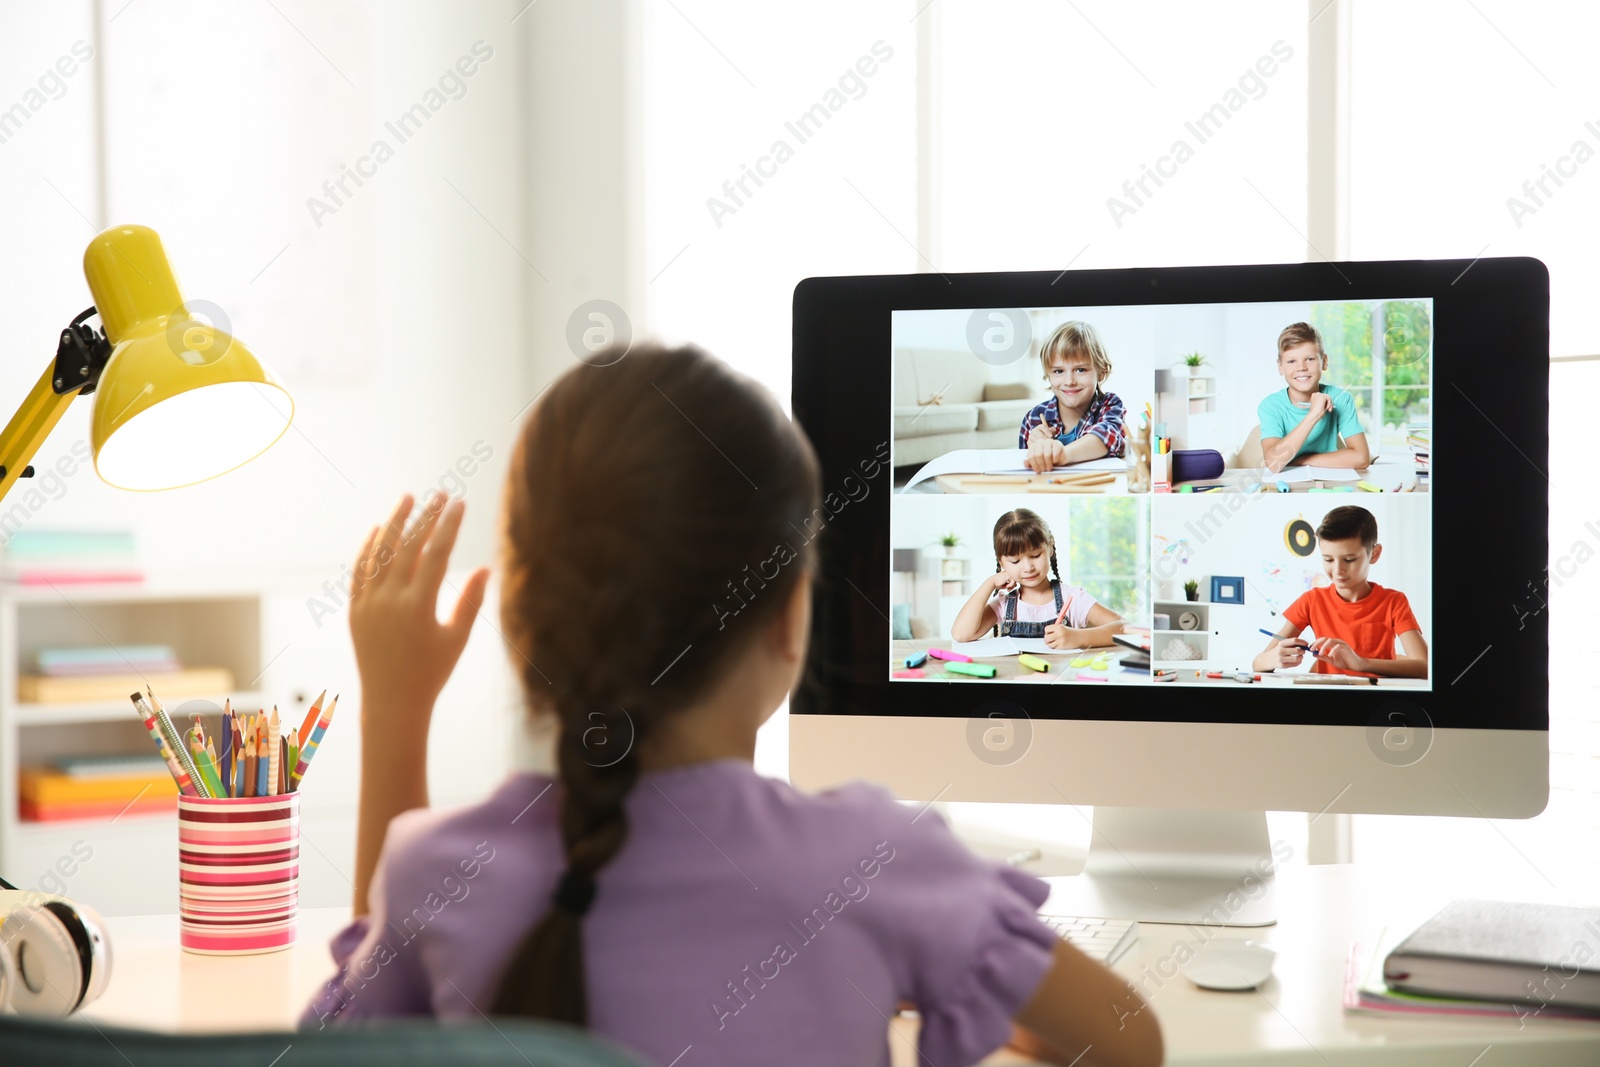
179	400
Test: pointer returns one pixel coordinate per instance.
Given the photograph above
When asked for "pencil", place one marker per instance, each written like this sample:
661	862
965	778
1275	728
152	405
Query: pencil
197	751
310	720
238	758
1064	609
226	766
251	779
263	760
179	775
175	742
1286	640
274	734
216	766
310	748
282	763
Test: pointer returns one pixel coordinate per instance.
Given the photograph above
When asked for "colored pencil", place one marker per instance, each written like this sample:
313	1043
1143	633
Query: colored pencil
304	732
238	758
216	766
282	763
179	775
310	748
175	742
226	765
1064	609
250	776
197	752
263	760
274	734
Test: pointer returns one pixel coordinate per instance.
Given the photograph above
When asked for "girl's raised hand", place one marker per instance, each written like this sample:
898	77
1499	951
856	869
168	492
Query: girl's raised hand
1055	636
404	653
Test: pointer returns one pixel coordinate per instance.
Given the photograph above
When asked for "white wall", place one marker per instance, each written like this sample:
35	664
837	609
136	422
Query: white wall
401	324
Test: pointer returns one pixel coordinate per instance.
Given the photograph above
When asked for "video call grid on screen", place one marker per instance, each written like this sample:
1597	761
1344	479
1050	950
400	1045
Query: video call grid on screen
1192	552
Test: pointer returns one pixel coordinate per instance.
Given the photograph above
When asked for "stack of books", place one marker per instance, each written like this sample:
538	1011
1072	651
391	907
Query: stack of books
1419	439
62	557
1485	958
111	672
96	787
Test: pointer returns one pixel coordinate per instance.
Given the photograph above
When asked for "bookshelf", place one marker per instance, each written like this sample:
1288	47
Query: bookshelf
207	625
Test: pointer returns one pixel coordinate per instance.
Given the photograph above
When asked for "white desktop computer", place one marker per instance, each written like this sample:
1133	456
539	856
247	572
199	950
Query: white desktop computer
1184	544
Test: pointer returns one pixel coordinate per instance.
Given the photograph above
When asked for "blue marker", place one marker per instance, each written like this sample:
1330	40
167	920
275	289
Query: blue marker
1275	637
916	659
1283	486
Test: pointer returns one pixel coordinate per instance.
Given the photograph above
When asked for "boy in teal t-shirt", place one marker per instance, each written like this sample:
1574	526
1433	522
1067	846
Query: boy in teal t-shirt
1304	424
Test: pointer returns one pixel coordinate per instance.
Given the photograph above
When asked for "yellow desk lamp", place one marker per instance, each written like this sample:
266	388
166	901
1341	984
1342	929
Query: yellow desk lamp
177	400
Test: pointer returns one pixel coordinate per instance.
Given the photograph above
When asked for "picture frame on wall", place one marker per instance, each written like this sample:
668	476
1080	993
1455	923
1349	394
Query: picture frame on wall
1227	589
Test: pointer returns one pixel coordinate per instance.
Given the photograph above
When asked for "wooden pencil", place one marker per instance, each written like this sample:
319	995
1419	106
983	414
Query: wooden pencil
310	720
274	733
250	768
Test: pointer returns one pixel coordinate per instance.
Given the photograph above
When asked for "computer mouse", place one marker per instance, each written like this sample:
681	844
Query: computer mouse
1230	965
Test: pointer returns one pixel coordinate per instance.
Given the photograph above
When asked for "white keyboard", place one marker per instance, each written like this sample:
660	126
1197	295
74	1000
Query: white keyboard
1099	939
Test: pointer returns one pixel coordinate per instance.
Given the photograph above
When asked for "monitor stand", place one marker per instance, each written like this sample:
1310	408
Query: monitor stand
1209	868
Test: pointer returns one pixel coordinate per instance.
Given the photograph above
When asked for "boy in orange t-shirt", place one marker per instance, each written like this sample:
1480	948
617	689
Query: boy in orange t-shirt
1357	620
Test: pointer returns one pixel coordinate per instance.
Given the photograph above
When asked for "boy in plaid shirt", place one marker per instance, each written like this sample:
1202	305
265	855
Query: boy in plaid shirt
1080	421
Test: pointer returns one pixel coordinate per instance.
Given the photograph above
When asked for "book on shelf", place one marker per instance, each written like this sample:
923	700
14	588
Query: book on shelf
95	787
44	785
72	810
63	557
99	688
106	659
119	766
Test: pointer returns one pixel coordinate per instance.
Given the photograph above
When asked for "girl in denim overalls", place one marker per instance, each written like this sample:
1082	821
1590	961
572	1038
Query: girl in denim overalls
1025	560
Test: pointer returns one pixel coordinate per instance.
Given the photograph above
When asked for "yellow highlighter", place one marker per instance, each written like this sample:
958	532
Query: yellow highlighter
1368	487
1033	663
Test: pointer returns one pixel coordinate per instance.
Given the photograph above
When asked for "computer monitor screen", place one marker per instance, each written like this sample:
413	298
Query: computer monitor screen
1192	494
1210	537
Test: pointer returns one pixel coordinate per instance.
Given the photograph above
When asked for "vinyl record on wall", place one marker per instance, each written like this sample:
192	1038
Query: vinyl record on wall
1301	537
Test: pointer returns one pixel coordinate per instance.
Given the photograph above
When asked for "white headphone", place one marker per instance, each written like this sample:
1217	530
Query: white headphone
54	956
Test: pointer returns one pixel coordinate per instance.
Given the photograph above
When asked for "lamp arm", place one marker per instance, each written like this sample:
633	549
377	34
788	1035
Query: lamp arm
80	357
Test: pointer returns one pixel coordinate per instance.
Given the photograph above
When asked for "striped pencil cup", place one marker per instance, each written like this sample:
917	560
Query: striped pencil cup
238	873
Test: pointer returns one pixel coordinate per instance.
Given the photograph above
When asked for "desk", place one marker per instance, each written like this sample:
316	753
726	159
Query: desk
155	985
1296	1018
1384	475
1008	669
1031	484
1187	676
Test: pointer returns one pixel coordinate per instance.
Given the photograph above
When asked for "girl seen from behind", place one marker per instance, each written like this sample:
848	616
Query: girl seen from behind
658	891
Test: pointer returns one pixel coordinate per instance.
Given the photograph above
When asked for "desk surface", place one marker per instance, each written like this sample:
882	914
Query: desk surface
155	985
1190	676
1008	668
1295	1018
1386	476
